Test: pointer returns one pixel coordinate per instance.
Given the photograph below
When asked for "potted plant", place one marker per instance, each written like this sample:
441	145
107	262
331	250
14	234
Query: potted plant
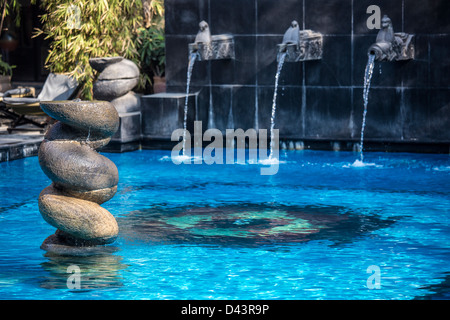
10	10
151	48
5	75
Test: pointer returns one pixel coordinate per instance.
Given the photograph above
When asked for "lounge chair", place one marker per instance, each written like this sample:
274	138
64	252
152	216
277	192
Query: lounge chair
14	93
56	87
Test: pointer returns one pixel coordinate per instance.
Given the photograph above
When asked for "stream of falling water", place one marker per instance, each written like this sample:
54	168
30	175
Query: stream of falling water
192	59
274	102
367	78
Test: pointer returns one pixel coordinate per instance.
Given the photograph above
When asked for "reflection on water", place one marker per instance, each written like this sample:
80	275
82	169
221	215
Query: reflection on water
248	224
100	270
440	291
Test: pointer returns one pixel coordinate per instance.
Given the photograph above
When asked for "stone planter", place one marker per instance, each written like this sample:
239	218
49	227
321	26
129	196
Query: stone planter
5	83
159	84
116	79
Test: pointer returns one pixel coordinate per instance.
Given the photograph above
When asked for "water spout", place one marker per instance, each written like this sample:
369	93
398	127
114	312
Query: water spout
208	47
300	45
390	46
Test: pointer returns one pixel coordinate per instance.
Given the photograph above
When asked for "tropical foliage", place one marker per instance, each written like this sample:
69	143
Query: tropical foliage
153	12
5	68
151	48
9	7
151	40
83	29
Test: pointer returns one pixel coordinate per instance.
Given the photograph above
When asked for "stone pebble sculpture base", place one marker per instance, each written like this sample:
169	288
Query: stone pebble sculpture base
116	79
82	178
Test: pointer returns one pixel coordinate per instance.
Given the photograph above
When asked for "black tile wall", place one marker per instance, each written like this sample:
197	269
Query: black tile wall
384	119
328	17
243	13
275	17
266	60
332	69
183	16
327	113
408	101
221	104
244	107
242	69
288	110
265	96
438	119
439	50
291	74
393	9
427	16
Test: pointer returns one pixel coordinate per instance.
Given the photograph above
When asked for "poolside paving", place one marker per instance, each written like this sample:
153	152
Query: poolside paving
19	144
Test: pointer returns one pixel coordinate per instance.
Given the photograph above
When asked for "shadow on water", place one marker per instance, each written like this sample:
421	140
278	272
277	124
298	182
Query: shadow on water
248	224
440	291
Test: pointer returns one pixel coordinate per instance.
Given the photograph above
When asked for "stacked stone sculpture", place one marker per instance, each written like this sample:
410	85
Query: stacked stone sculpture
82	178
115	82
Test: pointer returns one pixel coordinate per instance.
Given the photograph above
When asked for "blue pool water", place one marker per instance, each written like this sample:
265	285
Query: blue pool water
315	230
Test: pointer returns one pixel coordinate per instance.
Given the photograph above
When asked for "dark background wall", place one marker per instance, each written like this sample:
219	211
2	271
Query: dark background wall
31	52
409	101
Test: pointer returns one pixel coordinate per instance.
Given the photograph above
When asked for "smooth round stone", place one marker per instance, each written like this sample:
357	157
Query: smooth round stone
125	69
95	116
55	244
98	196
62	132
128	103
100	64
79	218
77	167
112	89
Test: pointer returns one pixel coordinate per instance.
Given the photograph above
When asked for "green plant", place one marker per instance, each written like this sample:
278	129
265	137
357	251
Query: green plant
153	12
83	29
151	50
8	7
5	68
151	41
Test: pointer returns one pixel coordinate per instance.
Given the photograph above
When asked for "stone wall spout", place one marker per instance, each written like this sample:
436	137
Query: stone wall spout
212	47
391	46
301	45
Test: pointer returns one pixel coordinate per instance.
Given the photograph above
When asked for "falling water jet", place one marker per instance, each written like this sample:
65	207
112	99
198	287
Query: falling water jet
274	102
89	135
192	58
298	45
367	79
389	46
206	47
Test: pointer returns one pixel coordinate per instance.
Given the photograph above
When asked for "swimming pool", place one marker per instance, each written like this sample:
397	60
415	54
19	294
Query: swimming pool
318	229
